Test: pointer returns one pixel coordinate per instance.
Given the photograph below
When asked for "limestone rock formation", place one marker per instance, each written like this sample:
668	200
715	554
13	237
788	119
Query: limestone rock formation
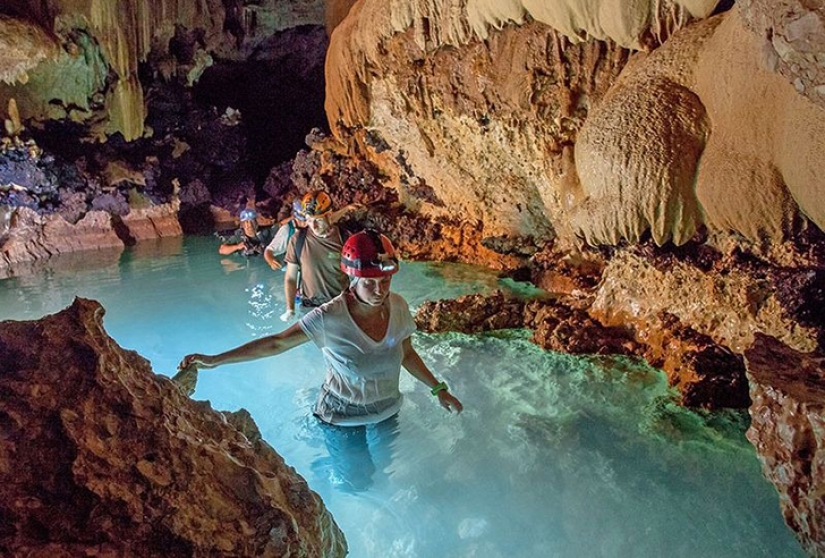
488	127
23	46
637	152
787	429
705	94
90	74
31	236
793	42
705	373
147	223
99	456
558	143
724	301
100	38
482	101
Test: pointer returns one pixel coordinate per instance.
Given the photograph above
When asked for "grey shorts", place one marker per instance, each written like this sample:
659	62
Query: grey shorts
333	410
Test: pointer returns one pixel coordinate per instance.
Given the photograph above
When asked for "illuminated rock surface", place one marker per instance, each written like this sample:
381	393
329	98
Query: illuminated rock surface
686	149
574	138
706	374
788	430
101	456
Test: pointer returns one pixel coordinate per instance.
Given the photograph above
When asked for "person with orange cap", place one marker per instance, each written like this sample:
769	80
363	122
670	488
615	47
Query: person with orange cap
312	257
364	334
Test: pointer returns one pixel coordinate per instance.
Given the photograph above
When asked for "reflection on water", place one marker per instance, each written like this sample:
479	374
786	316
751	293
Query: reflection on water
67	263
554	455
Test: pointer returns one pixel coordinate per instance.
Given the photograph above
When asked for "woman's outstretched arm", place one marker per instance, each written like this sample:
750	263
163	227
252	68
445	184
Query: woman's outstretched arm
271	345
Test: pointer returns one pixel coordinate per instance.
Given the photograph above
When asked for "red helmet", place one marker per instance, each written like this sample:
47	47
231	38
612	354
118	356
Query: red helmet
368	254
316	203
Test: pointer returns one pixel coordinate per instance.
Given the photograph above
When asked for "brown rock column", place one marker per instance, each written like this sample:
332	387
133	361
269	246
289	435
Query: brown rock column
788	430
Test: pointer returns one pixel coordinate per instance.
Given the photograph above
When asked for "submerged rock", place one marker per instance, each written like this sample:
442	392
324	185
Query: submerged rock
788	430
705	373
101	456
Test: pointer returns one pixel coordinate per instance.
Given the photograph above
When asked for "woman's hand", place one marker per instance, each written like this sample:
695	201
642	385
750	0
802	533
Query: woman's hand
197	361
449	401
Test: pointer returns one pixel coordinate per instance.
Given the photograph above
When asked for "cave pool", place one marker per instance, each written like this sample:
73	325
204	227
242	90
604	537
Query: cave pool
554	455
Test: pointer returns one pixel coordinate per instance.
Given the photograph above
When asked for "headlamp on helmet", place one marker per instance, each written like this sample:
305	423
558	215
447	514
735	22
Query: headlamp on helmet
298	211
369	254
316	204
248	215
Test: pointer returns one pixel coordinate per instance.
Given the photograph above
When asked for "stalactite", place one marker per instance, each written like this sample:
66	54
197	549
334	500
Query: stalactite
125	31
437	23
23	46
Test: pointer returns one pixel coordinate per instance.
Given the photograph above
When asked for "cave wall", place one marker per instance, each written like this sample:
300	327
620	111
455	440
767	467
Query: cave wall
102	44
681	131
791	39
482	101
23	45
788	431
603	122
83	57
552	122
701	133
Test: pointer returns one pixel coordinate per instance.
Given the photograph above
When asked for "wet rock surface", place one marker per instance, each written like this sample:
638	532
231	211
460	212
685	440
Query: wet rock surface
706	374
31	236
788	431
729	302
99	456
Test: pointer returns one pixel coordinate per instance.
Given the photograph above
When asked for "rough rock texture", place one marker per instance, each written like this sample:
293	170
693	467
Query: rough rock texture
557	144
498	90
788	431
471	314
94	76
563	273
415	236
102	457
792	33
104	37
486	127
725	302
152	222
757	180
29	236
637	153
359	41
23	46
705	374
640	170
32	236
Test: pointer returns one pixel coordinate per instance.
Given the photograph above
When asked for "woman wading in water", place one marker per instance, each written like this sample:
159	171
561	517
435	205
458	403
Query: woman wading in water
365	337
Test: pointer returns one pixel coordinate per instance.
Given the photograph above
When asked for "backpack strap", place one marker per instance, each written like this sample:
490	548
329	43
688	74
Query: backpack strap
299	243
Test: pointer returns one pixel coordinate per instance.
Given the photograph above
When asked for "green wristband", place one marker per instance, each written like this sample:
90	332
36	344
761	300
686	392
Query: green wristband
440	386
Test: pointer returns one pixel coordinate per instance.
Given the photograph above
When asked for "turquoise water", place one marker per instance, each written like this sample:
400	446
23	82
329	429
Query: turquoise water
553	456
